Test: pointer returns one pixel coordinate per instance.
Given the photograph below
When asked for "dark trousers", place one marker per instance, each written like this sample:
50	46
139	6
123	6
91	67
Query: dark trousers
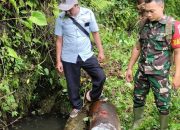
72	73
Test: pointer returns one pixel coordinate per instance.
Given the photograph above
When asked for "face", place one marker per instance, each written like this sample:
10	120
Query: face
73	11
154	11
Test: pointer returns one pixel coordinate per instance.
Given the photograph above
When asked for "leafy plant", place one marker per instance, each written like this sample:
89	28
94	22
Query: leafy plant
27	55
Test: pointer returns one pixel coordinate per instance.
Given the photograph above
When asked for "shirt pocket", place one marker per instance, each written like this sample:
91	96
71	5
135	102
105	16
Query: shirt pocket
82	23
86	26
160	42
85	22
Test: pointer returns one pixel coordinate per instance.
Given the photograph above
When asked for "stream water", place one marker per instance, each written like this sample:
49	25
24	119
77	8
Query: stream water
45	122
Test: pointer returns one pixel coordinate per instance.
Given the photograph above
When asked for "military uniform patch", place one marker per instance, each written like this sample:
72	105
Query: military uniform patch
176	37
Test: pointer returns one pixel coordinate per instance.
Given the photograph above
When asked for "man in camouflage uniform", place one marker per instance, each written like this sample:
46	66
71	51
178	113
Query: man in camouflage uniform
155	48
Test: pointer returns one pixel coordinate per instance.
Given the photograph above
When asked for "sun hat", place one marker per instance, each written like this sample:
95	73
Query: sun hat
67	4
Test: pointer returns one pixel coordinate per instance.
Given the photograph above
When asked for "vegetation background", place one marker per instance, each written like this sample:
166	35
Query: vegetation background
27	59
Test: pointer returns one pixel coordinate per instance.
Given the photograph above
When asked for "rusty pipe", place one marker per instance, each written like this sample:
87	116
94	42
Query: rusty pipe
103	115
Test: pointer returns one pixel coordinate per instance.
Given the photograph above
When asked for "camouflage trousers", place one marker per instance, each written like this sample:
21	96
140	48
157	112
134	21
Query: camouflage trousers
160	87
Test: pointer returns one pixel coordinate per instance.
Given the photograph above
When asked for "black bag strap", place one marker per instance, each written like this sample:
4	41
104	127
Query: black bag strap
79	26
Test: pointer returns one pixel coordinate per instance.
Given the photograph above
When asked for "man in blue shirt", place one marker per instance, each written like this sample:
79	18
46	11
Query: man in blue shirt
74	51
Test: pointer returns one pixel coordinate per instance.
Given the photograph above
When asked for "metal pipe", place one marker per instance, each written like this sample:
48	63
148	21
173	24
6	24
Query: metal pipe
103	116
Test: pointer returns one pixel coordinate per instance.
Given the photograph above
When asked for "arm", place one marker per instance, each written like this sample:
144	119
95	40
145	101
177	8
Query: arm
97	40
59	43
134	56
175	43
176	83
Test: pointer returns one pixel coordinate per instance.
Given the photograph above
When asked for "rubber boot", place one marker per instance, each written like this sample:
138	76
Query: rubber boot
138	114
163	122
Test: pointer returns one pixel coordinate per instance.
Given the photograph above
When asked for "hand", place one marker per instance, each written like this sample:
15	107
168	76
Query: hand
59	67
129	75
101	57
176	82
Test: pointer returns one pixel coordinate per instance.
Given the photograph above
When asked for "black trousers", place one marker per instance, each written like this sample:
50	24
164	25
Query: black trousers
72	73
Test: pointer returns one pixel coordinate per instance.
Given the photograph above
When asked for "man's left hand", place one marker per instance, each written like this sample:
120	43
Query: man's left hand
176	82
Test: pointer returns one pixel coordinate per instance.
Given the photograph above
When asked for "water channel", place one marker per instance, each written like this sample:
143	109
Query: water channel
46	122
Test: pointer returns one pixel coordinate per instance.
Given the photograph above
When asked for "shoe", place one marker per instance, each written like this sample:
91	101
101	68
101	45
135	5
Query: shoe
101	98
87	96
74	113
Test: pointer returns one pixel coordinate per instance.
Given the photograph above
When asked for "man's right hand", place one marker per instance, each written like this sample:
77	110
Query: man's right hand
129	75
59	67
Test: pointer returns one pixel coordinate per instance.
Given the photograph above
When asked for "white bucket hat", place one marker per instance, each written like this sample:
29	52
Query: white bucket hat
67	4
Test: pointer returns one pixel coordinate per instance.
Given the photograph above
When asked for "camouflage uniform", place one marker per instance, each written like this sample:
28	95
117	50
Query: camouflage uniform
154	65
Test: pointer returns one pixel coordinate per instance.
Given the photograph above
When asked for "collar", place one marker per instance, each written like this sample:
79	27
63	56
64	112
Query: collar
80	12
163	20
